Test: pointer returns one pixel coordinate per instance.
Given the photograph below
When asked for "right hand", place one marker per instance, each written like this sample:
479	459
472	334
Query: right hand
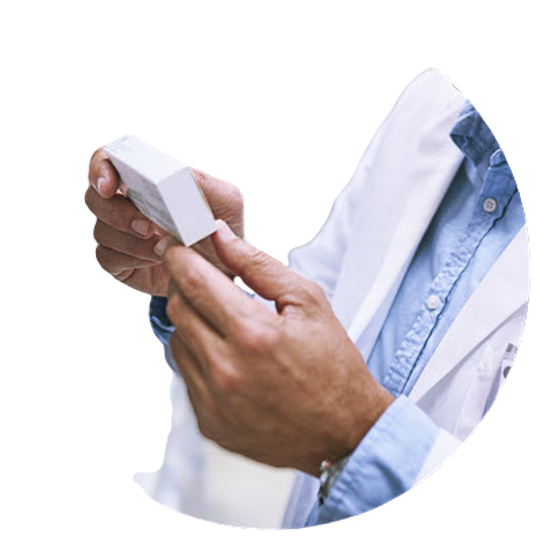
130	246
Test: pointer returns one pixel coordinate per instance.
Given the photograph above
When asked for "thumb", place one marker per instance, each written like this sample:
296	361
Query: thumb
265	275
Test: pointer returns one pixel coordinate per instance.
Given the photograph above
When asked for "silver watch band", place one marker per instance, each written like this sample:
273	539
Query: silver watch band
329	474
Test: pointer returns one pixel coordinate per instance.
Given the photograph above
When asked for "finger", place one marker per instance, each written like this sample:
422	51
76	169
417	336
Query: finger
186	362
120	214
262	273
223	197
205	182
195	331
153	280
191	372
126	243
208	290
115	263
102	175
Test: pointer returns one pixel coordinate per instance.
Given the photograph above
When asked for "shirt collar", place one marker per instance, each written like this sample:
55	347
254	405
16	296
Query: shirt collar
472	135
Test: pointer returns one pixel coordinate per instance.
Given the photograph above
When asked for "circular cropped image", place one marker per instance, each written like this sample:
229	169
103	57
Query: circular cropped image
309	393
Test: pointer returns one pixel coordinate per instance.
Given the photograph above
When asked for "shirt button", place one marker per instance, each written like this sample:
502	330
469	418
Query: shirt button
490	205
433	302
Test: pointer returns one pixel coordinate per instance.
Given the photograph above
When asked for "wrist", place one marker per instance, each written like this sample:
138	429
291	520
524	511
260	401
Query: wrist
328	471
363	414
367	414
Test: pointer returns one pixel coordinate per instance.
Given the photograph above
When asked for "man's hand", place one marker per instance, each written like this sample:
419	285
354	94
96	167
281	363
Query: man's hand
289	388
130	247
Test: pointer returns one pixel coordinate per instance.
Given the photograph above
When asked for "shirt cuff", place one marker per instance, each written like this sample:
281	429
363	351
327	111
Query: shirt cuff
162	326
385	464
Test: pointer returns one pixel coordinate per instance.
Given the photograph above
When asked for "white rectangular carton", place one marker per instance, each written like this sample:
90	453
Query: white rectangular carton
163	189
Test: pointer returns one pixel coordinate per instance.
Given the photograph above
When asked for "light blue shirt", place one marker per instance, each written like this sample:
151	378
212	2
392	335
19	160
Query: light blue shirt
464	239
460	246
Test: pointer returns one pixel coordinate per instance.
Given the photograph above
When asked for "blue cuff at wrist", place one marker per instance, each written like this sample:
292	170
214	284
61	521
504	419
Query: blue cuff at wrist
157	309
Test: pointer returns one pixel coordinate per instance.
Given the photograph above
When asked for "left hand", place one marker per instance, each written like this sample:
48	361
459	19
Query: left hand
289	389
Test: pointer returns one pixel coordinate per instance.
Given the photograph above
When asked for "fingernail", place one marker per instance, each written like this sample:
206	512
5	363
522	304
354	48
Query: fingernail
160	247
140	226
100	182
224	229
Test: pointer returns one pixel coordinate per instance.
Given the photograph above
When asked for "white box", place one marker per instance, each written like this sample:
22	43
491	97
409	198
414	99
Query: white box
163	189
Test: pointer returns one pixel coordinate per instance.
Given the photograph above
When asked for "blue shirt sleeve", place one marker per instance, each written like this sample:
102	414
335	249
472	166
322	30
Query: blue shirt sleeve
385	464
162	326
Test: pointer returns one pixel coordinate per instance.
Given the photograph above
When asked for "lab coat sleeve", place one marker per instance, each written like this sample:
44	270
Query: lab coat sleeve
401	448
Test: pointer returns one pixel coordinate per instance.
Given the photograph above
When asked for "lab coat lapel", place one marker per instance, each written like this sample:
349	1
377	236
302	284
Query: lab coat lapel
420	167
503	290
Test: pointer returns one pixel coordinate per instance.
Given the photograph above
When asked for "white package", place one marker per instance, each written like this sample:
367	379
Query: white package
163	189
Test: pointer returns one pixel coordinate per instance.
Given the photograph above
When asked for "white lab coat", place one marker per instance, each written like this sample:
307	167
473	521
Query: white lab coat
362	252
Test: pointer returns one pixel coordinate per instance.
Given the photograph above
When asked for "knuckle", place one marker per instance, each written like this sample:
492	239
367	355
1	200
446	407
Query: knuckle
174	306
243	331
191	280
100	233
256	259
312	292
235	199
100	256
170	255
255	339
97	232
238	198
238	204
108	261
88	196
316	290
225	379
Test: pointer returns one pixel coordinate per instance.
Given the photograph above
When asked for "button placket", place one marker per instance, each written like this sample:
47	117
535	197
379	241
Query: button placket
414	341
497	190
411	347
